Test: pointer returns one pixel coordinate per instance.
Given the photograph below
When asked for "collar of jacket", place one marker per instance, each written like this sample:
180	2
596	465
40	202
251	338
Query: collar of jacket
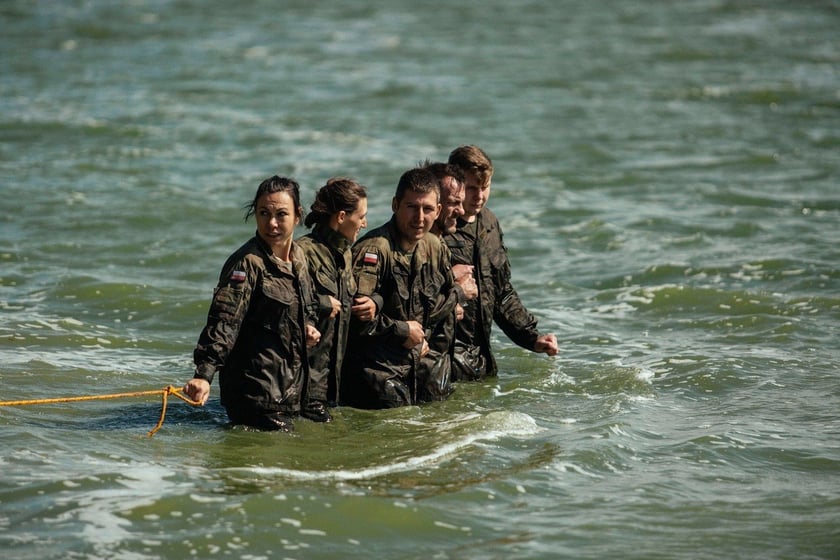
332	238
296	255
393	232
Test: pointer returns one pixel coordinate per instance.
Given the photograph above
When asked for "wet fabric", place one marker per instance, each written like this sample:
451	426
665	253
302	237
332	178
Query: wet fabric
255	338
413	286
481	245
329	260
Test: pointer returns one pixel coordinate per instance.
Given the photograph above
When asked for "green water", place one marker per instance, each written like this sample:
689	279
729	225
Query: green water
668	181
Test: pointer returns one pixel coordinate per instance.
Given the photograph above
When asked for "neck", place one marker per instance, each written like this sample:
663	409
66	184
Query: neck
407	246
281	249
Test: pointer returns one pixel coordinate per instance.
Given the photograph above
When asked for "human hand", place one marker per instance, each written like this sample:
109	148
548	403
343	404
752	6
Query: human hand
464	277
364	308
469	286
313	336
459	312
416	335
336	307
460	270
197	389
546	344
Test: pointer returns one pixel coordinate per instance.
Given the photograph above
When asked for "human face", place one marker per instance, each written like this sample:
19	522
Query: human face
452	205
475	195
276	218
350	224
414	216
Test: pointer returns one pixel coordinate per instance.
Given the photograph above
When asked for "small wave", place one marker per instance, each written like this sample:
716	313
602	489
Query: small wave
492	426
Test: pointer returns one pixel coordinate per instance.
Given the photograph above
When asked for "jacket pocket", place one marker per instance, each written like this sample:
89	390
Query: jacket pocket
325	284
275	308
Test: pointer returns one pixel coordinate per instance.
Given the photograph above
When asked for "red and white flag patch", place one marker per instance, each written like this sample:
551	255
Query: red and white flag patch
370	258
237	276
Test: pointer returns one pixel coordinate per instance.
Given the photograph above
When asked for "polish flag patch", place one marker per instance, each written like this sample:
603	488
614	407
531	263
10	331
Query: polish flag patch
370	258
237	276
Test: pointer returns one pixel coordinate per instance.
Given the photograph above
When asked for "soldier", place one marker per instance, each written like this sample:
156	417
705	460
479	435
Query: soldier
261	320
478	241
409	269
336	216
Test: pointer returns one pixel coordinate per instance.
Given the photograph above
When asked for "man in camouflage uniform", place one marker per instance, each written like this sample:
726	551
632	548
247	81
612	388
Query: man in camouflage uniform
477	241
409	269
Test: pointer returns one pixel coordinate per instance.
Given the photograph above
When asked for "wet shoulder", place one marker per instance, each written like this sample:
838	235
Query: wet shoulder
489	221
378	239
313	249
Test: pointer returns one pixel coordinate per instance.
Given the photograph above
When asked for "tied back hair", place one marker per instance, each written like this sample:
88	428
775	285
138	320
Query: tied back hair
339	194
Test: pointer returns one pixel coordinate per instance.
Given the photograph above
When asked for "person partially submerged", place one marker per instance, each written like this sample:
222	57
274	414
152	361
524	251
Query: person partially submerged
261	320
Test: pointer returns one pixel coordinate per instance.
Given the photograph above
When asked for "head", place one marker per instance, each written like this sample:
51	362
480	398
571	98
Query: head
478	174
341	204
277	208
451	181
416	205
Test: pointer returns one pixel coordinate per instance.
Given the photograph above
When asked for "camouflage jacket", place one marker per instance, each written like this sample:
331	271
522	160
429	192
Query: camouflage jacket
255	336
329	260
481	244
379	372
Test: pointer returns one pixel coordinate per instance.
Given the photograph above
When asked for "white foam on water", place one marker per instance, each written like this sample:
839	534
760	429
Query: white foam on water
100	511
492	426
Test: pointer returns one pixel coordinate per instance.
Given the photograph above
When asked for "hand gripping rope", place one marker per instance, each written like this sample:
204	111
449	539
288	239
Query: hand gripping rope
165	392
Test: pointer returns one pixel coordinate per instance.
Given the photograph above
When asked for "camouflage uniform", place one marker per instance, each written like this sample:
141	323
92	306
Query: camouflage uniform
378	371
255	336
330	266
480	244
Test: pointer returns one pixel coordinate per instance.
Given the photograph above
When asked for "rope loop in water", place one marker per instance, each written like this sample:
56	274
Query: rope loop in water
164	393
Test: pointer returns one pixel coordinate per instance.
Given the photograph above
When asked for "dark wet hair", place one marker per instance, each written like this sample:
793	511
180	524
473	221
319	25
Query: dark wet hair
340	193
275	184
441	170
417	180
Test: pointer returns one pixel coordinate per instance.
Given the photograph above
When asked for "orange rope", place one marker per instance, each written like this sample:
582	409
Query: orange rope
165	392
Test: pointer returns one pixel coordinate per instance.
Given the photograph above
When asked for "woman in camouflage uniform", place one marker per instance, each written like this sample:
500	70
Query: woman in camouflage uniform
261	320
336	217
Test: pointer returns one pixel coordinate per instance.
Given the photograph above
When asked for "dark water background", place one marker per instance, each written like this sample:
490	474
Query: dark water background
668	179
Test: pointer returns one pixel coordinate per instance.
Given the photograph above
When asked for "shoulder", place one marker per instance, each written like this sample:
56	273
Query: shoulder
305	241
311	247
433	247
378	238
431	240
488	219
298	255
249	252
490	229
243	266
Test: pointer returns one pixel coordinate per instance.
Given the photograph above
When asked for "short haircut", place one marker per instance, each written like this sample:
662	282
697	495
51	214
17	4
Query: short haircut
442	169
472	159
418	180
